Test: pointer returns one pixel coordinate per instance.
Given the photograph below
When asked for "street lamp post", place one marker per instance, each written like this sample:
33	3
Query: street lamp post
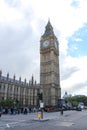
41	106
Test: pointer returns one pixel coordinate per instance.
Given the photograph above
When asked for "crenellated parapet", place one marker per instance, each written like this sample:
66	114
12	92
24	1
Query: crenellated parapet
13	80
14	77
25	81
8	76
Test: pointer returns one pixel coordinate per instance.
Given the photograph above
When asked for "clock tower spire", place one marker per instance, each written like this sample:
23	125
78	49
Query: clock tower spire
49	67
48	29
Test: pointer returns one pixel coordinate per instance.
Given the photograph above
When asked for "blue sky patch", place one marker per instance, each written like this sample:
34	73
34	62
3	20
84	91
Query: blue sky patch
78	43
75	3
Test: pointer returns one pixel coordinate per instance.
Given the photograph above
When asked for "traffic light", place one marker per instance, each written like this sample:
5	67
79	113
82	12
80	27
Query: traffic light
40	95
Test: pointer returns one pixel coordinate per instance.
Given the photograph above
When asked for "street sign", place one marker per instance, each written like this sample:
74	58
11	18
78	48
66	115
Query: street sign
41	104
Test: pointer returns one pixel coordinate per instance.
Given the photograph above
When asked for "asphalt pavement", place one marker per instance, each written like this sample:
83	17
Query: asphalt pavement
70	120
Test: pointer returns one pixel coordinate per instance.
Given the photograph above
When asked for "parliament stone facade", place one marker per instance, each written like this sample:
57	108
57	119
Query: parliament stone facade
28	94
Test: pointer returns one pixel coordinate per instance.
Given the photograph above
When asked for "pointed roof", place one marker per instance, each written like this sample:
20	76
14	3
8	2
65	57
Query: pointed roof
48	29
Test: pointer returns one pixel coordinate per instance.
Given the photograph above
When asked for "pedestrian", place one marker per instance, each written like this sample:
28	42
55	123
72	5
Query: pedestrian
61	111
0	113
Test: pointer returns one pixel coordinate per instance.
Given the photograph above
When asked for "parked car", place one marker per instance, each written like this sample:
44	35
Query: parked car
79	109
81	105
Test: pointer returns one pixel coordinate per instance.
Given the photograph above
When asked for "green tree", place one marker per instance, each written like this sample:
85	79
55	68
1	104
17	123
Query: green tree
75	100
7	103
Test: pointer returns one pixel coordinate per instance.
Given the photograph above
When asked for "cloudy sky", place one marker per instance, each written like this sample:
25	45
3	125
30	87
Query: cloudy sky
22	22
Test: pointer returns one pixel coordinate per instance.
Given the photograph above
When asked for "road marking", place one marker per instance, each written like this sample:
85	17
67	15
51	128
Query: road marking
8	124
64	123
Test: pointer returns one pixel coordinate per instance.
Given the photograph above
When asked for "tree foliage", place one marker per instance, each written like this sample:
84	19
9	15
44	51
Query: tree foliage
7	103
75	100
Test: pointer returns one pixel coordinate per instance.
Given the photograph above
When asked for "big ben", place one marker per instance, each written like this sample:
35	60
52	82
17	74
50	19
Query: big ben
49	67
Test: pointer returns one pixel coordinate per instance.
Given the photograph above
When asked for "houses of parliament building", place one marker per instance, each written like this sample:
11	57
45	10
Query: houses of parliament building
48	90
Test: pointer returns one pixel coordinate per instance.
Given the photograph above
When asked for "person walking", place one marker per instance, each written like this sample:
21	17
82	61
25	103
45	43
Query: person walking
0	113
61	111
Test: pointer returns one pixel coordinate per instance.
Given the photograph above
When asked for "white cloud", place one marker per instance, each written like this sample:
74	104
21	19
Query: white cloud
76	81
78	39
8	15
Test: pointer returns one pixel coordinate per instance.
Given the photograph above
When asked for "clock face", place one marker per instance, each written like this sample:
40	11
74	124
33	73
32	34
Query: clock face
56	46
46	43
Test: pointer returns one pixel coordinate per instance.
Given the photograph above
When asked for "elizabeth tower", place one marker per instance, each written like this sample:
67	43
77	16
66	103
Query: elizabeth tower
49	67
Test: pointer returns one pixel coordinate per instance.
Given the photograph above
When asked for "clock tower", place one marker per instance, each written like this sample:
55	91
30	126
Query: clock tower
49	67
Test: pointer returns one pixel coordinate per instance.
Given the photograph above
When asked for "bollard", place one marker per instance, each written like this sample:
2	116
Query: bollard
39	115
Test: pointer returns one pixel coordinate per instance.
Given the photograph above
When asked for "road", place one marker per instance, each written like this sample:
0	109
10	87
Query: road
70	120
